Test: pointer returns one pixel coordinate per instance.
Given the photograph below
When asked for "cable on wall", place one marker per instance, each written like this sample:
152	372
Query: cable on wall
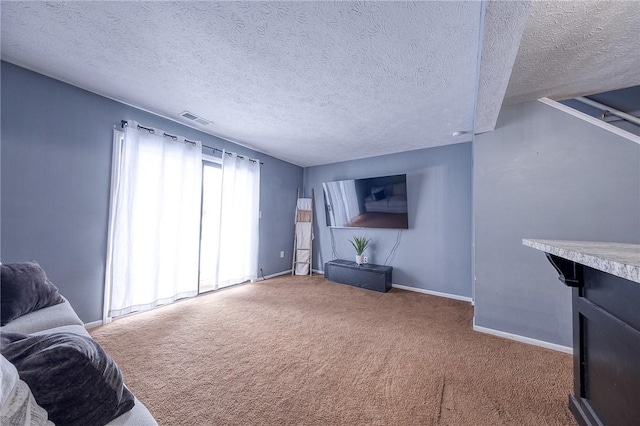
395	246
333	244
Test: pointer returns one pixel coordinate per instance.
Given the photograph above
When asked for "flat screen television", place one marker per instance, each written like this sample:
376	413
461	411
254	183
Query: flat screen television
376	202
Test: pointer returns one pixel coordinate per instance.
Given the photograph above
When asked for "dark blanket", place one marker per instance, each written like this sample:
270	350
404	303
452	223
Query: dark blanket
70	376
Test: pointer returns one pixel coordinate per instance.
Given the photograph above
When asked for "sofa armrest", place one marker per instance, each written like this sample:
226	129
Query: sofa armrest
43	319
139	415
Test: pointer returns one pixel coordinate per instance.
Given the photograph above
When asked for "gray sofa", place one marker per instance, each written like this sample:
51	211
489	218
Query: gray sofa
387	199
63	318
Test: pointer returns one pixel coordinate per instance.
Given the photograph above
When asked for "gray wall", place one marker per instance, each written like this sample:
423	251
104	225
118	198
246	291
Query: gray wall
435	253
545	174
55	171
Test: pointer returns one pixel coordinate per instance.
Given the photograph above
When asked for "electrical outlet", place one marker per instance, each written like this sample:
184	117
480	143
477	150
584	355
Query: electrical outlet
282	255
365	259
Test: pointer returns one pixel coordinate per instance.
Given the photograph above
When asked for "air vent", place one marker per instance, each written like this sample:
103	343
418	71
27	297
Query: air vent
191	116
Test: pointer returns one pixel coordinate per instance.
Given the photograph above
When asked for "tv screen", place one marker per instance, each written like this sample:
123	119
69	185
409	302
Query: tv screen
377	202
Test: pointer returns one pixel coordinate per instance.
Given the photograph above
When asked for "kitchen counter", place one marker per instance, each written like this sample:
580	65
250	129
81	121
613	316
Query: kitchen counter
619	259
605	298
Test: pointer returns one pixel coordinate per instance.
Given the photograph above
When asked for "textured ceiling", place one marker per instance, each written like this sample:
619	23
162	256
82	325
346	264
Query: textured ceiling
307	82
504	23
319	82
576	48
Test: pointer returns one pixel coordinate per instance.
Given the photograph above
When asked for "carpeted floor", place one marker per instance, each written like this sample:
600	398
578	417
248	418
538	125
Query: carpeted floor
305	351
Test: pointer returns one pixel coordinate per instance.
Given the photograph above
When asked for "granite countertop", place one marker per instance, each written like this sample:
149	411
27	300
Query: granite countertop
619	259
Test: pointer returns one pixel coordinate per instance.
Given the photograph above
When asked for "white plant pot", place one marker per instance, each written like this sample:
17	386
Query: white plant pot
359	259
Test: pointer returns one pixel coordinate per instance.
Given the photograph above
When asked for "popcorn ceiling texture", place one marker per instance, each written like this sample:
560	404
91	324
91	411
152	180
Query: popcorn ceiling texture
320	82
577	48
307	82
504	23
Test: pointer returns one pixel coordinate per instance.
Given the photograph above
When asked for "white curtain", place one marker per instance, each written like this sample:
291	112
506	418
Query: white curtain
154	225
239	220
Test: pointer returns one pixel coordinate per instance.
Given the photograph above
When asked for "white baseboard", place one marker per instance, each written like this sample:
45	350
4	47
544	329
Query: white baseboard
315	271
277	274
522	339
93	324
433	293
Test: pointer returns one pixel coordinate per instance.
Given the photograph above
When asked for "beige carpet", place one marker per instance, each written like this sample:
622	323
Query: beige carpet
301	350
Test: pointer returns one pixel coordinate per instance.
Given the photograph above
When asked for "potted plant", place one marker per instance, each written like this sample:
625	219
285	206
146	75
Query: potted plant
360	244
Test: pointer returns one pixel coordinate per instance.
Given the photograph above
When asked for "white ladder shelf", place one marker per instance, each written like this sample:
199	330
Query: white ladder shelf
303	223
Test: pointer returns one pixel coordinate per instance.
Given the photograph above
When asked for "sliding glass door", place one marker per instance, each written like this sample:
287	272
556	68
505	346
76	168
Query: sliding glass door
168	201
230	208
210	225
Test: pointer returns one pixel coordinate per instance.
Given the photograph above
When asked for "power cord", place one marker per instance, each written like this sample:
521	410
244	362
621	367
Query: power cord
395	246
333	244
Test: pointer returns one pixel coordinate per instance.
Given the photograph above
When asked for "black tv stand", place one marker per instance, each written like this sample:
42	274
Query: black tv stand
369	276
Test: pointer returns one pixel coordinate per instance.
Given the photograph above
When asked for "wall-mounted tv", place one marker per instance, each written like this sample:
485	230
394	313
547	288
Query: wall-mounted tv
377	202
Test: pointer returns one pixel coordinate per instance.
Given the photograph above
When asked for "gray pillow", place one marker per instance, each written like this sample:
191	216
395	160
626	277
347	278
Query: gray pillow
25	288
70	376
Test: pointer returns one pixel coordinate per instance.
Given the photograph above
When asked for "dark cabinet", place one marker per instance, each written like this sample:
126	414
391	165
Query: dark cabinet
606	345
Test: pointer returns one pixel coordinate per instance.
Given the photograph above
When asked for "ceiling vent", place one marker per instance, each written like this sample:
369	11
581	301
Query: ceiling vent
191	116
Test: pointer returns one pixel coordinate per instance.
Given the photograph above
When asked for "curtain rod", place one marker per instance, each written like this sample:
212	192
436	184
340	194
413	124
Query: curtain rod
229	153
124	124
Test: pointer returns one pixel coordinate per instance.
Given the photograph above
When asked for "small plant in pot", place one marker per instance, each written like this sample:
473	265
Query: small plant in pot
360	244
